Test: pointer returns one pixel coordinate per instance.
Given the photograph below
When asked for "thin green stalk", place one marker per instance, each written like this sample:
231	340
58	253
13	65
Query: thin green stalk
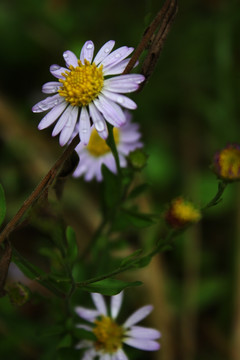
217	198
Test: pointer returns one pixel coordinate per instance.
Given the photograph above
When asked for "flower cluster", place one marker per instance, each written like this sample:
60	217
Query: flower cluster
97	152
110	336
181	213
83	93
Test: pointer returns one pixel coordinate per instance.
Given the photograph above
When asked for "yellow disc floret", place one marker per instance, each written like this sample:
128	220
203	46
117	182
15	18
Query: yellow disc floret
97	146
182	213
229	163
82	84
109	335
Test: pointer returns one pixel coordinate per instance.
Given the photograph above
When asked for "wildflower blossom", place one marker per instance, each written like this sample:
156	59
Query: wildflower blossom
227	162
97	152
83	92
110	336
182	213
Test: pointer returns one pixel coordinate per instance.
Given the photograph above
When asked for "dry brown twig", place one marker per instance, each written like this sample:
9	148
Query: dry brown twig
162	22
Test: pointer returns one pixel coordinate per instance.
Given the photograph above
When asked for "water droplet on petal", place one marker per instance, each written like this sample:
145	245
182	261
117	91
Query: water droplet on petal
89	46
84	131
43	106
55	67
117	55
120	99
107	50
65	55
99	125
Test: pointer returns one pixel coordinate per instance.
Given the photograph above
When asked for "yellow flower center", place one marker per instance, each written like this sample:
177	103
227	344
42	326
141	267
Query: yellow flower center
82	84
109	335
97	146
229	161
185	211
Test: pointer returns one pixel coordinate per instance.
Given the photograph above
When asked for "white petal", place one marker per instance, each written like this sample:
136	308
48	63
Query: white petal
51	87
62	121
89	354
116	56
87	51
84	126
141	332
120	99
138	316
99	122
111	111
48	103
52	116
58	71
84	327
87	314
83	344
99	302
120	87
104	51
142	344
128	78
70	58
120	355
116	302
116	69
105	357
68	129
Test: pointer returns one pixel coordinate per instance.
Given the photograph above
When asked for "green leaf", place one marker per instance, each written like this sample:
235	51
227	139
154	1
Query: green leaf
65	342
110	286
127	218
143	261
111	188
2	205
138	190
72	250
130	258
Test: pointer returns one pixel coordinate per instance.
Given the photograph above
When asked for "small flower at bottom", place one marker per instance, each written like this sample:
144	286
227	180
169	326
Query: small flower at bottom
110	336
83	92
226	163
97	152
181	213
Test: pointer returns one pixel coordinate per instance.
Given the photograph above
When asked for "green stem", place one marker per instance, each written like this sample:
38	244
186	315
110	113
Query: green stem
112	144
221	188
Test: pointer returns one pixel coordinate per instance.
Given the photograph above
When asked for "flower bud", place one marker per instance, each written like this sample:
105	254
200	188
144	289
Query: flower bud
138	159
226	163
18	294
181	213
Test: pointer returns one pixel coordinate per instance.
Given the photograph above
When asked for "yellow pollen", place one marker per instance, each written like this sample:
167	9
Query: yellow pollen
97	146
82	84
109	335
229	162
184	211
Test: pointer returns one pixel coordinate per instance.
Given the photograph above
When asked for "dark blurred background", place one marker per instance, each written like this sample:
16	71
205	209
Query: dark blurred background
188	110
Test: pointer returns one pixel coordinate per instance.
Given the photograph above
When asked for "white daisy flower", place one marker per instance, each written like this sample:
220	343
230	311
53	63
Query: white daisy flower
97	152
110	336
85	91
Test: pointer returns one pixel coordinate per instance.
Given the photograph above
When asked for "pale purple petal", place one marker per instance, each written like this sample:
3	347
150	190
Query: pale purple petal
105	357
84	126
109	161
84	327
116	69
122	160
142	344
58	71
87	314
52	116
83	344
116	302
51	87
68	129
87	51
70	58
138	316
116	56
89	354
90	172
111	111
99	122
99	302
47	103
62	121
119	87
127	78
120	99
120	355
141	332
104	51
